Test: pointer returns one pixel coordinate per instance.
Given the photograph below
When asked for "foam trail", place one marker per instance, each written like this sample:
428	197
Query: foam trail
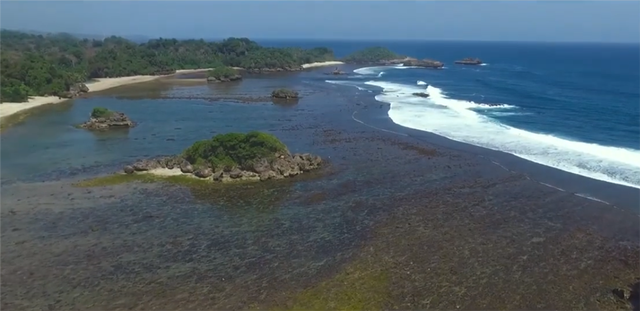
348	83
380	74
457	120
421	83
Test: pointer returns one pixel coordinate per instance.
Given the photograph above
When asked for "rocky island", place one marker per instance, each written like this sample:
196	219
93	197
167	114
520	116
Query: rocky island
284	94
232	157
469	61
425	63
385	57
223	74
104	119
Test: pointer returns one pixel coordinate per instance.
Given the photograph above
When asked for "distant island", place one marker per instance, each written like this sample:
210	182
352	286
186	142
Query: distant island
383	56
49	65
469	61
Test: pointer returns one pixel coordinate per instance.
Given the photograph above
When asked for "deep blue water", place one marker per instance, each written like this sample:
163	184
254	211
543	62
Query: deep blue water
573	106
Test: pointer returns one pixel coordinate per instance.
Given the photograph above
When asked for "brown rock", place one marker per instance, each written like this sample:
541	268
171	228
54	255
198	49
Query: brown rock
129	169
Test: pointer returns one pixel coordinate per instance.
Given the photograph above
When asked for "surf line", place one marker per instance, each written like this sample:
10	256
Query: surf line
353	116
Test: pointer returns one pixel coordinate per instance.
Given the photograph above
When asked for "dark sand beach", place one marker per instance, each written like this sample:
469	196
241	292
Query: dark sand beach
399	219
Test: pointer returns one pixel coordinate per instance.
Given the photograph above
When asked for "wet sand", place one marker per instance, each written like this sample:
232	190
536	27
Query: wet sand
406	220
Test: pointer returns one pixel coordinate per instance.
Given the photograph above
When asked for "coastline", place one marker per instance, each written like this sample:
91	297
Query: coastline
11	108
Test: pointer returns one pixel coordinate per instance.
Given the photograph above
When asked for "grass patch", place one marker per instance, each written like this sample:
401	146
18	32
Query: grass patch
360	286
118	179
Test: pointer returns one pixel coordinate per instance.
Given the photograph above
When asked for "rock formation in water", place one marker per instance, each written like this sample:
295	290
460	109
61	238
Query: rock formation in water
235	156
336	72
104	119
284	94
469	61
425	63
421	94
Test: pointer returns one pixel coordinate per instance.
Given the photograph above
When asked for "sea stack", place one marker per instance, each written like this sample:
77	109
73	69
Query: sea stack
469	61
104	119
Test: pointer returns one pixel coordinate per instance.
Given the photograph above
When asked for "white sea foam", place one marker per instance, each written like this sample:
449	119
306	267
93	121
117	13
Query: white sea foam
348	83
370	70
421	83
457	120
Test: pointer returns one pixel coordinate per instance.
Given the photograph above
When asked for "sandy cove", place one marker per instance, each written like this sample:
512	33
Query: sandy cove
321	64
7	109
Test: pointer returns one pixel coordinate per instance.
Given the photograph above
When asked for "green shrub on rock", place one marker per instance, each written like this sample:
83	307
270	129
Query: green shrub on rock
234	149
284	94
100	112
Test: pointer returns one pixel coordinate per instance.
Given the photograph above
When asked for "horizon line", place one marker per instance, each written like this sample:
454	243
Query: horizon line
150	37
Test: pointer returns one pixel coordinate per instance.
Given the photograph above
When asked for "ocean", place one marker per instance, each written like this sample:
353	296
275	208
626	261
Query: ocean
571	106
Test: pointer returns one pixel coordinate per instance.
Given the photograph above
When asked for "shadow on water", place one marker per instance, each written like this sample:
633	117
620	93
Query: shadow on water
285	103
19	118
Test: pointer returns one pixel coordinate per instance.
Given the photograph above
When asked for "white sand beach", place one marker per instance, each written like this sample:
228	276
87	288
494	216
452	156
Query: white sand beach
7	109
322	64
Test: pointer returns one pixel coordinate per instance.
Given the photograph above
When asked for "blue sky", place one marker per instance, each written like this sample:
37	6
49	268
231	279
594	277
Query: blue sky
603	21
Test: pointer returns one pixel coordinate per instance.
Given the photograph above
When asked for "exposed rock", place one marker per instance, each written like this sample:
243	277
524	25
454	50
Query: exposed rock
285	94
422	94
235	173
129	169
336	72
224	79
145	165
203	173
426	63
75	90
469	61
281	165
217	176
113	119
186	168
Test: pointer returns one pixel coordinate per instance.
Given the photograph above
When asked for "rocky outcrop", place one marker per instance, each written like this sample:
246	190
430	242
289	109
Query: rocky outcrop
469	61
284	94
281	165
422	94
113	119
236	77
336	72
425	63
75	91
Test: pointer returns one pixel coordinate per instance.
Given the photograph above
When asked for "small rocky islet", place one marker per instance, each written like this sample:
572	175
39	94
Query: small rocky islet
103	119
469	61
285	94
228	157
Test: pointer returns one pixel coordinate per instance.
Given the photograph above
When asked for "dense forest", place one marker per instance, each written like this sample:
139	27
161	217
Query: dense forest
33	65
